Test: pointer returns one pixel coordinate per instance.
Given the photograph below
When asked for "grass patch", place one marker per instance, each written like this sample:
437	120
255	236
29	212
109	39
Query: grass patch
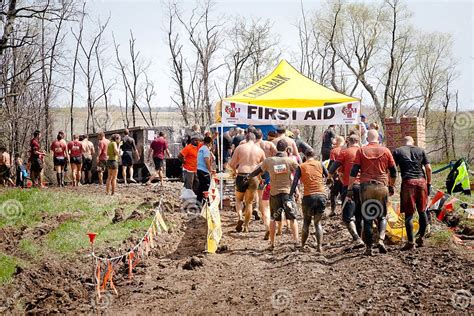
24	207
442	237
7	268
29	247
70	236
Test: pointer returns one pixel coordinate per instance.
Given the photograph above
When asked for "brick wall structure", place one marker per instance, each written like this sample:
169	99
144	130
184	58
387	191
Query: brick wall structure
397	128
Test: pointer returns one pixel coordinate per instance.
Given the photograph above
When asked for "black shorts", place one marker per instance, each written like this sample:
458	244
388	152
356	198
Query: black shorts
4	172
242	186
59	161
337	186
279	205
127	158
325	153
76	160
36	164
313	204
158	163
86	164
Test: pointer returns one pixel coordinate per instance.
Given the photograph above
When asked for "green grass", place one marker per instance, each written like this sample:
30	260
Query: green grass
442	237
25	207
90	214
7	268
71	236
30	248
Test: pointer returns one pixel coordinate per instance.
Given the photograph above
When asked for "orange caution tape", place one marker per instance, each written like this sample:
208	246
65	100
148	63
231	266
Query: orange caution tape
131	255
108	278
147	246
97	278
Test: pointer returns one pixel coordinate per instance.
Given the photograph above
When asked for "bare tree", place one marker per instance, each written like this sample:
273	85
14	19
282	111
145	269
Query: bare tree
205	37
74	64
252	44
132	77
149	94
177	70
433	61
90	73
105	86
50	55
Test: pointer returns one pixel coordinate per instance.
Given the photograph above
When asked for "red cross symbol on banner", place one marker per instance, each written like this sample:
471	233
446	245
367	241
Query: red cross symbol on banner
348	110
232	110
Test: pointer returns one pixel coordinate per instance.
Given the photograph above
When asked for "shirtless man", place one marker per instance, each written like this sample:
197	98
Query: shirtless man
102	156
281	134
270	150
5	167
87	154
245	159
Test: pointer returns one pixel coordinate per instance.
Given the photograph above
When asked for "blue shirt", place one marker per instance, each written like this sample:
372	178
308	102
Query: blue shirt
203	153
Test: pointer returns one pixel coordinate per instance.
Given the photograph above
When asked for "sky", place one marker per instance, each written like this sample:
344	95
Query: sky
147	20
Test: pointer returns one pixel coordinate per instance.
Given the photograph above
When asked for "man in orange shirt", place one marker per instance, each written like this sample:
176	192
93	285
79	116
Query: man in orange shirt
374	163
311	173
351	206
188	157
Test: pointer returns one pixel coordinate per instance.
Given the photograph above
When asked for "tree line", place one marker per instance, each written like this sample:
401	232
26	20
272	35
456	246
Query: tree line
365	49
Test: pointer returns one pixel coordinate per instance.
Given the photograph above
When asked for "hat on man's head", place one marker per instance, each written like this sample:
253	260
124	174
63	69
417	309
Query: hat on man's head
362	116
196	136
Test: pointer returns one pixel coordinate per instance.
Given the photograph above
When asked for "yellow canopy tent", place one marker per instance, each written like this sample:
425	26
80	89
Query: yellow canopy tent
285	96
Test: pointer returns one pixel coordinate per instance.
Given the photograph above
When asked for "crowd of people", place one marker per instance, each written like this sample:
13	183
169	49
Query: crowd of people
271	175
75	156
282	171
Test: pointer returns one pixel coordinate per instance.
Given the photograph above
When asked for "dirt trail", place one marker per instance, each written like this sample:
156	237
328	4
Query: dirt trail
247	278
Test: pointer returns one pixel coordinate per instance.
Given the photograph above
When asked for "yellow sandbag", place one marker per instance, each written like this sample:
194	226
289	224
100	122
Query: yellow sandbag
396	225
214	230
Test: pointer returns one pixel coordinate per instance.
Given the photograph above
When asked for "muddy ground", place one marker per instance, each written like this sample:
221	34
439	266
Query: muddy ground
244	277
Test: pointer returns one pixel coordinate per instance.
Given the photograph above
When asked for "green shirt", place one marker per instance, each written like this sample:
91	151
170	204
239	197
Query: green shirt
111	151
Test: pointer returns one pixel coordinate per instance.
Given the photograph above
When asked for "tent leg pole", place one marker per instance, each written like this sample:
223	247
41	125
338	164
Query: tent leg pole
221	158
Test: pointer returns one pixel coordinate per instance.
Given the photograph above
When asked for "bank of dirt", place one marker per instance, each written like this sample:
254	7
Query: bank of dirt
244	277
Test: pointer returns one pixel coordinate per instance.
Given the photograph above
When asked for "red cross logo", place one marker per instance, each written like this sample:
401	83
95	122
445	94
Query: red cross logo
349	110
232	110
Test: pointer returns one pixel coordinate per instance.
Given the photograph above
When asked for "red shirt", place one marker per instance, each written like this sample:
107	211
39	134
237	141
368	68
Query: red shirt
59	149
334	153
75	148
103	149
346	158
374	161
190	153
35	146
159	146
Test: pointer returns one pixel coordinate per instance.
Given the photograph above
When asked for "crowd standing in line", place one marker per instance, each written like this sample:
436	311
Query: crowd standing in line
269	173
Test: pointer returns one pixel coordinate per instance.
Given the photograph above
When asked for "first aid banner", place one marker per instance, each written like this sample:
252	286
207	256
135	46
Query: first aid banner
347	113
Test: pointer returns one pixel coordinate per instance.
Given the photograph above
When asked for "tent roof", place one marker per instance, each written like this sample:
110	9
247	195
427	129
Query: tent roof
286	87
